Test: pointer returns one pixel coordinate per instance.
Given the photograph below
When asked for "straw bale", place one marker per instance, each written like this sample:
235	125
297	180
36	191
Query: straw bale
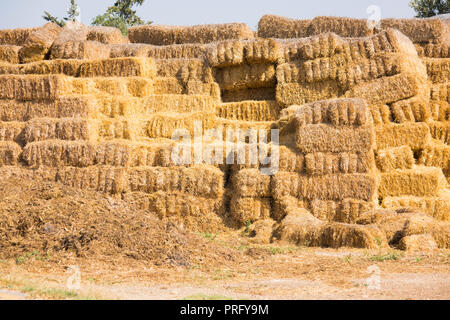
436	155
177	51
436	207
416	109
109	129
438	69
9	53
271	26
72	43
184	69
319	163
323	45
440	92
440	131
100	178
159	103
328	187
8	68
251	183
66	67
346	211
255	94
440	231
419	181
249	110
351	209
440	111
246	76
381	114
106	35
165	85
204	181
227	53
127	86
261	50
388	89
337	112
119	67
32	87
16	37
194	213
38	43
324	210
288	94
302	228
195	87
56	153
64	107
390	222
111	153
11	131
418	243
395	158
166	35
432	50
244	210
299	227
344	27
72	31
285	206
80	50
64	128
290	160
146	154
337	235
261	231
326	138
9	153
415	135
133	50
420	30
164	125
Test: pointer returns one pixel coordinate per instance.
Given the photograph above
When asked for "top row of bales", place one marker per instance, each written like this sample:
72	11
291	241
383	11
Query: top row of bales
81	42
420	31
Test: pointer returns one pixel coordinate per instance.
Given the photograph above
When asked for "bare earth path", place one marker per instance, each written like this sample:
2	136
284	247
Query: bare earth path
294	274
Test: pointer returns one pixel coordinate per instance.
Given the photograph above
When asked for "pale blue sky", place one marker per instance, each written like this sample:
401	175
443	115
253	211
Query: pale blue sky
27	13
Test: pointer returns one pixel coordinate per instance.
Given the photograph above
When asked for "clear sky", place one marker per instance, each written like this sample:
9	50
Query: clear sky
27	13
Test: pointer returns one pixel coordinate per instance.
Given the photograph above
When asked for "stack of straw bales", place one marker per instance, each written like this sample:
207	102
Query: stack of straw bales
336	180
382	69
363	120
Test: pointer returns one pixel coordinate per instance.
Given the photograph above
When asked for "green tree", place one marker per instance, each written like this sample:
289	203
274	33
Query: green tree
74	11
430	8
121	15
72	14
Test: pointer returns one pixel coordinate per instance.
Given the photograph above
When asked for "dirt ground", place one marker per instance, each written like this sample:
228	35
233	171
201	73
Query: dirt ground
49	231
279	273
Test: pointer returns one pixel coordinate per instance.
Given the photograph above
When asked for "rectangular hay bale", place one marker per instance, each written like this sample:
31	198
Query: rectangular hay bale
167	35
204	181
419	181
395	158
415	135
326	138
328	187
9	153
249	110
